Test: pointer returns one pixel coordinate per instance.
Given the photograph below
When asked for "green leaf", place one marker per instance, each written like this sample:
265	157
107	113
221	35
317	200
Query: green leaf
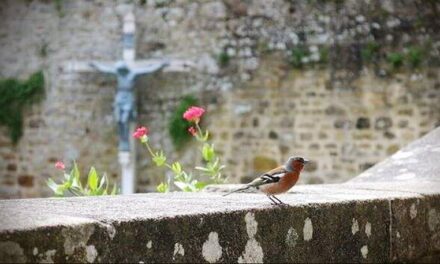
208	152
162	188
202	169
114	190
182	186
75	170
206	136
62	188
200	185
54	187
104	180
176	167
76	177
159	159
179	177
187	177
76	191
92	179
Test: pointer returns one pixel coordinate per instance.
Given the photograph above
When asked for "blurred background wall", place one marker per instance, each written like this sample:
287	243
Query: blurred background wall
344	83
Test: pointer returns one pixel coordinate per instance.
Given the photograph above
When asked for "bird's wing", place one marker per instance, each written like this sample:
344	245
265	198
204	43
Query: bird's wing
272	176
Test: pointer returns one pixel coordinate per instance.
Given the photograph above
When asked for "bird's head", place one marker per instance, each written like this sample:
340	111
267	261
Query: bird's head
296	163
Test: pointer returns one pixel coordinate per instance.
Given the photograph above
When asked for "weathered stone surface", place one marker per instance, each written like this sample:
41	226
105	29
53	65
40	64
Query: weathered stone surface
363	123
142	219
375	219
262	163
324	98
417	162
383	123
191	227
26	180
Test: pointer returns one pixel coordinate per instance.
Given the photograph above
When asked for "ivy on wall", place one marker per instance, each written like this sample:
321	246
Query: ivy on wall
15	95
178	127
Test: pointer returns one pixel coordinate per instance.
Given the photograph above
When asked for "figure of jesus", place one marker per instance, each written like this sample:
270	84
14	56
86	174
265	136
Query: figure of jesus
124	104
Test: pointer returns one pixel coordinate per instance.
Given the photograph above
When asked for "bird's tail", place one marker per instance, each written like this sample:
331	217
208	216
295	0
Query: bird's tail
238	190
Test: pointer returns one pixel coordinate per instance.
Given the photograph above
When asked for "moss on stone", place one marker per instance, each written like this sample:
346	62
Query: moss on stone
15	95
178	127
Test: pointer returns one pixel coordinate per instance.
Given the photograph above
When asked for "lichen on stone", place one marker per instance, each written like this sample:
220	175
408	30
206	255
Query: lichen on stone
211	249
253	252
308	229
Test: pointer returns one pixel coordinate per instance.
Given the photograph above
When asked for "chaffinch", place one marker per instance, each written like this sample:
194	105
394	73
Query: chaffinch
278	180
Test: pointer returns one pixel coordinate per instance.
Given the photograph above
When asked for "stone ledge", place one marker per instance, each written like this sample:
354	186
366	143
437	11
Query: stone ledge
345	224
358	221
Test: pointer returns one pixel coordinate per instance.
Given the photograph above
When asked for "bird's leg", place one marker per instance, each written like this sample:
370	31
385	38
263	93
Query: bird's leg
280	202
273	201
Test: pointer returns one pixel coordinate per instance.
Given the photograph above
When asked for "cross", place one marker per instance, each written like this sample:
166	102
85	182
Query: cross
126	72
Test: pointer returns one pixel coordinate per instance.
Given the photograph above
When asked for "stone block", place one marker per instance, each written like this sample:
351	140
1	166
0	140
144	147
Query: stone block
334	110
263	164
383	123
273	135
363	123
11	167
196	231
26	181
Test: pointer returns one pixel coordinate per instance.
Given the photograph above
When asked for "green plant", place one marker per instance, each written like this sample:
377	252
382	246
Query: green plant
43	50
95	186
59	7
370	51
414	56
178	127
323	55
15	95
298	55
162	3
183	180
213	168
395	59
263	47
223	59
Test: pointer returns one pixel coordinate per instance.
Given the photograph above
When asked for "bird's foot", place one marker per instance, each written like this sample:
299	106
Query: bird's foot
277	200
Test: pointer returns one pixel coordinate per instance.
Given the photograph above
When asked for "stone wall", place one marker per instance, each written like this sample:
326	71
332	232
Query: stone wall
278	78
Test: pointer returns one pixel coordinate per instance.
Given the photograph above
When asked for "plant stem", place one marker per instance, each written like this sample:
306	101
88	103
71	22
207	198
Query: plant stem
199	130
149	149
152	155
74	192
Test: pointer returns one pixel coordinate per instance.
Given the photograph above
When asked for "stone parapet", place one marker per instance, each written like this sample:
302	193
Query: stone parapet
384	219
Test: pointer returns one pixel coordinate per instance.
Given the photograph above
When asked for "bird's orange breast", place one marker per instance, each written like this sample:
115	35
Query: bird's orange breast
286	182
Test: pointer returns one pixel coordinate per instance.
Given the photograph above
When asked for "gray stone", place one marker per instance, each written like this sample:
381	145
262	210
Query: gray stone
273	135
363	123
414	163
383	123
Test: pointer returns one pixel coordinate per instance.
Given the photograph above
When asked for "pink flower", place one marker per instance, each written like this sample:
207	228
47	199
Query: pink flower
193	114
140	132
60	165
192	131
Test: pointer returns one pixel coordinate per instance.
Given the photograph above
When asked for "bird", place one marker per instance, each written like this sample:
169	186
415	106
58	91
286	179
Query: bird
278	180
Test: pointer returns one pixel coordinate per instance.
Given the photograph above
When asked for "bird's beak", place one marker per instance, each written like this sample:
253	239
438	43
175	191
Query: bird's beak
306	161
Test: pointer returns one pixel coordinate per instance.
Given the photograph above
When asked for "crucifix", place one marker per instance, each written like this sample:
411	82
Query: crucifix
124	108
